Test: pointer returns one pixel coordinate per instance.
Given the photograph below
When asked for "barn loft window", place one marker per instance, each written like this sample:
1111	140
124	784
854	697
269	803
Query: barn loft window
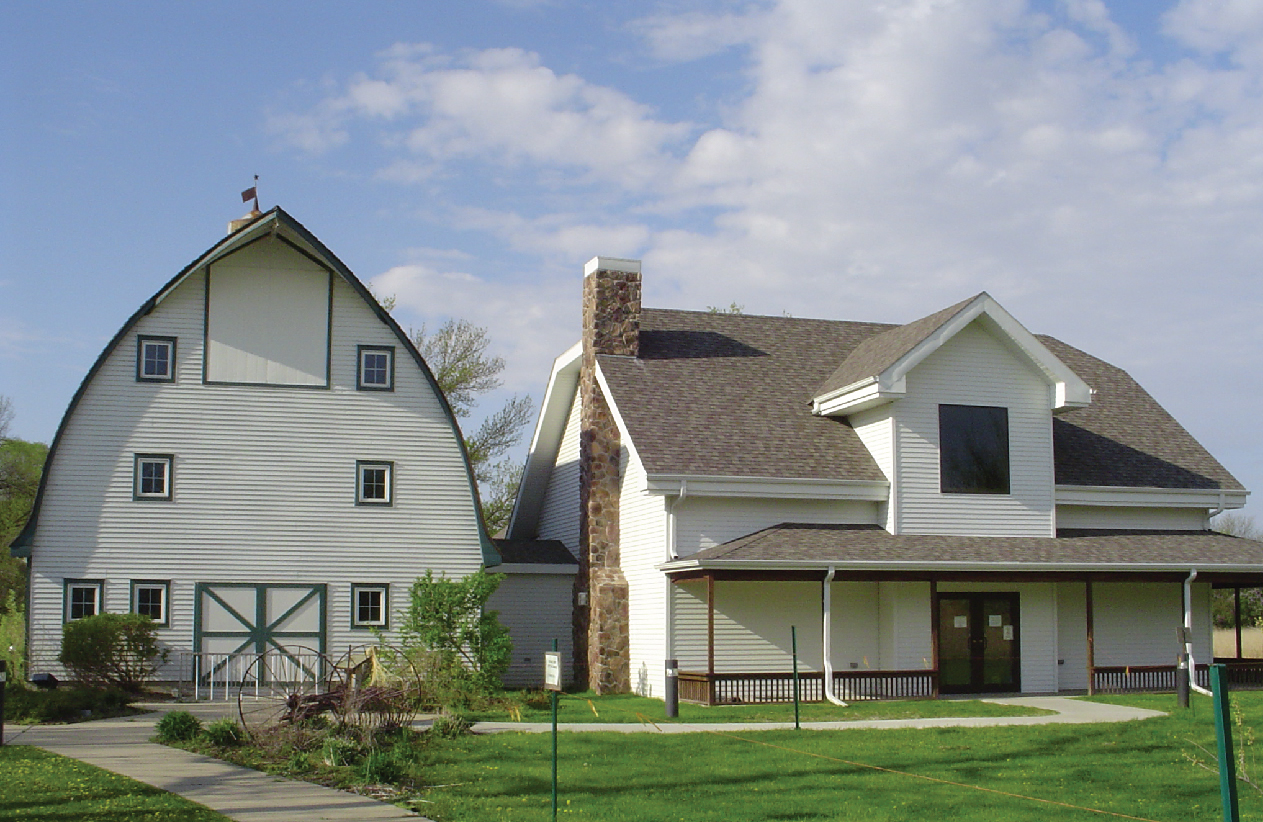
373	484
152	477
370	606
376	368
155	359
83	598
973	449
150	598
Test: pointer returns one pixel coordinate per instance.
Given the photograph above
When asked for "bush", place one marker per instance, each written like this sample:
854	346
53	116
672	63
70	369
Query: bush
178	726
22	704
224	733
338	751
111	650
451	726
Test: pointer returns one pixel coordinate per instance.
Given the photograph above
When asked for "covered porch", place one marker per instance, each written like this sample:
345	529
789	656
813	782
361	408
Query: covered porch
1043	622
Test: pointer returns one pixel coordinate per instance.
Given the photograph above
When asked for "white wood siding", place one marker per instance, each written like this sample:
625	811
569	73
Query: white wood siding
1037	629
1093	516
752	626
264	481
974	368
1135	623
1072	636
856	630
876	429
702	522
536	609
642	545
904	614
559	517
268	321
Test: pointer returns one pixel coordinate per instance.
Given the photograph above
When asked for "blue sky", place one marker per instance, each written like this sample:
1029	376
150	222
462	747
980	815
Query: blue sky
1097	167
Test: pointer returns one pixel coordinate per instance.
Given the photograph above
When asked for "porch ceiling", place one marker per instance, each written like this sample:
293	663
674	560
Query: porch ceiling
867	551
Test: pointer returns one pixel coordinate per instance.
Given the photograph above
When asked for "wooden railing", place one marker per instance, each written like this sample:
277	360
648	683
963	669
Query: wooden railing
1243	673
1120	679
764	688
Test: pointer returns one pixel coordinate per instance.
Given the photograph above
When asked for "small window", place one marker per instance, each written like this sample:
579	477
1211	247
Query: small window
83	598
373	484
153	477
377	368
150	598
370	606
155	359
973	449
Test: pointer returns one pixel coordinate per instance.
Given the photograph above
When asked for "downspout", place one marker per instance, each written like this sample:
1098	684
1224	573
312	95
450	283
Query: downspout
828	639
672	553
668	604
1223	503
1188	633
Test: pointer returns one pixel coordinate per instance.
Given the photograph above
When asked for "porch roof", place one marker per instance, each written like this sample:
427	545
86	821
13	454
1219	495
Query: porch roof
794	546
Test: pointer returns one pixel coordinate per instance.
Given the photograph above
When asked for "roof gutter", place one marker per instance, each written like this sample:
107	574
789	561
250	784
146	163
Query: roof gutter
680	566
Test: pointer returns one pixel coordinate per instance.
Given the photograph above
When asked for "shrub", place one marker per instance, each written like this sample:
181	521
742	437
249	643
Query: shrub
22	704
178	726
225	733
451	726
381	766
338	751
448	630
111	650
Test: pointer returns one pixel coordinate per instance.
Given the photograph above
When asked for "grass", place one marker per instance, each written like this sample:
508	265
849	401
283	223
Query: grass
628	708
1138	769
41	785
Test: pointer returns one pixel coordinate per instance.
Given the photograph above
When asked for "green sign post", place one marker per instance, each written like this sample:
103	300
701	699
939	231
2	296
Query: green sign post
793	641
552	681
1223	733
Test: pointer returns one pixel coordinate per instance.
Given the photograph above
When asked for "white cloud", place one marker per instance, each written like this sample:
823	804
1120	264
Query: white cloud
886	159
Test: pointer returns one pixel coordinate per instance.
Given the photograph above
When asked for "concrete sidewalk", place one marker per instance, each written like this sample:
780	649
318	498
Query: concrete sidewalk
1068	712
122	745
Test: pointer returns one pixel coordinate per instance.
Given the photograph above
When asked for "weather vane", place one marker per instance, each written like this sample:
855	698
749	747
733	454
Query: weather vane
252	193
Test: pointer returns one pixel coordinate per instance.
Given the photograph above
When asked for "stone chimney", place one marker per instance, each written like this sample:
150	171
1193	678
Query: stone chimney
611	326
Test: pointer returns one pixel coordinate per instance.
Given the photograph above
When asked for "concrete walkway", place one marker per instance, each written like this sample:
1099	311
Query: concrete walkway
1068	712
121	745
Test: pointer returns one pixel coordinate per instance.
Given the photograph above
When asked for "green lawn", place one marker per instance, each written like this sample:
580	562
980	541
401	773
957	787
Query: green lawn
1137	769
625	708
35	784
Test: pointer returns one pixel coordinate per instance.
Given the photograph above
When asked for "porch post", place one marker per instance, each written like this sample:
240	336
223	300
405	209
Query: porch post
1236	615
934	628
710	624
1091	643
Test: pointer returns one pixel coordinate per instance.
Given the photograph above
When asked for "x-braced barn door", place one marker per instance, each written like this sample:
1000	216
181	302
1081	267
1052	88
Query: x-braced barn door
235	618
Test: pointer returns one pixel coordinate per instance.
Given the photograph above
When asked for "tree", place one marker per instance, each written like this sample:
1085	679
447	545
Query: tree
1223	600
6	416
457	354
21	464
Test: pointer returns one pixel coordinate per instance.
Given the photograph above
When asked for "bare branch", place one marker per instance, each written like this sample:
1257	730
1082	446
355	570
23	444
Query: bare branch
457	354
6	416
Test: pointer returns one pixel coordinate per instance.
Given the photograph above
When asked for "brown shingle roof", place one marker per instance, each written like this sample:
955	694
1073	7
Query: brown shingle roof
730	395
798	542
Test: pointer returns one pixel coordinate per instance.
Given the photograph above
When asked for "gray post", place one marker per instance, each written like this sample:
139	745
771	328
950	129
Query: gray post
1181	671
4	684
673	688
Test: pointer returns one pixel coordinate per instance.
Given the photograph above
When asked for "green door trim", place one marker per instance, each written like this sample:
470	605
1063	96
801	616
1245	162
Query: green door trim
260	633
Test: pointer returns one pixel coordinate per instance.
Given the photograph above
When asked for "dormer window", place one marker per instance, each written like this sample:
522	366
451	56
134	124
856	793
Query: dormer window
155	359
973	449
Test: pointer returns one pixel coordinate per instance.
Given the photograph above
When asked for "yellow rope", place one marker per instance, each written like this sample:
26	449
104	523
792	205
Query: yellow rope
645	720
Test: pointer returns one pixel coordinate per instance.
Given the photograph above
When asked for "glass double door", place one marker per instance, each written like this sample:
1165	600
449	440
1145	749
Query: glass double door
978	643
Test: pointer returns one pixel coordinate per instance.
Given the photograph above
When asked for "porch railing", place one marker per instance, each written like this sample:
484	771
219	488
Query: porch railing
1121	679
764	688
208	676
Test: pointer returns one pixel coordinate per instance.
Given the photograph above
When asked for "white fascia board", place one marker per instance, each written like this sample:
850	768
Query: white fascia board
768	487
536	568
563	380
1112	496
858	396
679	566
623	433
1070	391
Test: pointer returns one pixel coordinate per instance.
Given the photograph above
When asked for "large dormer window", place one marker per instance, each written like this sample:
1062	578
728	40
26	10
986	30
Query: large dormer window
973	449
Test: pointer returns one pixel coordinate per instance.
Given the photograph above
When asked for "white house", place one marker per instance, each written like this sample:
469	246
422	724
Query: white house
258	460
951	505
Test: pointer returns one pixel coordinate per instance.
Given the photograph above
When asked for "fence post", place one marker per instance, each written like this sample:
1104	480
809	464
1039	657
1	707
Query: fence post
1223	734
673	688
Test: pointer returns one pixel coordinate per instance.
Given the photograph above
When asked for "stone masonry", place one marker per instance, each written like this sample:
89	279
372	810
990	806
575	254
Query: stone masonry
611	325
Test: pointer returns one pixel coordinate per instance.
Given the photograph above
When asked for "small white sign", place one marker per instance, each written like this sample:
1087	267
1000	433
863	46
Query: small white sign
1008	633
4	677
960	622
552	671
995	620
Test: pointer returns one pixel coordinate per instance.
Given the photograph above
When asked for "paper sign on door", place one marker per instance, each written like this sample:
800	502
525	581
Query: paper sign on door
960	622
995	620
1008	633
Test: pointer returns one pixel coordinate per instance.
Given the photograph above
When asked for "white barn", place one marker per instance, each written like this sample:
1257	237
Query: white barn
951	505
259	459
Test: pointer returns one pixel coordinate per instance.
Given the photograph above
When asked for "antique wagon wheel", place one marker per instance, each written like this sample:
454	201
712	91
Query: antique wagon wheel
286	686
381	686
